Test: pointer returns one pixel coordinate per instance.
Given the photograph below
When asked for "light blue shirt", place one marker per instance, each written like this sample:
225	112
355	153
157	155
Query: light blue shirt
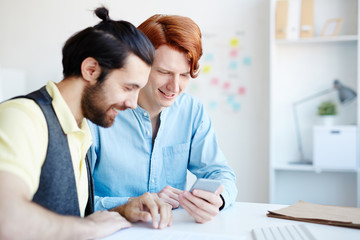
125	162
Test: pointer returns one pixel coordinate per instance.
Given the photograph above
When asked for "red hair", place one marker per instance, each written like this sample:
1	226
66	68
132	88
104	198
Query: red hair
178	32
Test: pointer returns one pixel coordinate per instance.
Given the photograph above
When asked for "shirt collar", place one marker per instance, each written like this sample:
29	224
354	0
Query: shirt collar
142	112
66	118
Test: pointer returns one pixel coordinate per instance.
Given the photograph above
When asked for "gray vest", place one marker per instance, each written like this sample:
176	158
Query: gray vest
57	188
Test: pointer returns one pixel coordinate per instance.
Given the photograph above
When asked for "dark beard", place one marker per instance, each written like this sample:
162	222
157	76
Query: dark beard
93	107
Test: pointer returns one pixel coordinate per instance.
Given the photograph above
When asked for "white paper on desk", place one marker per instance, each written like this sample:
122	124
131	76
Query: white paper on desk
166	234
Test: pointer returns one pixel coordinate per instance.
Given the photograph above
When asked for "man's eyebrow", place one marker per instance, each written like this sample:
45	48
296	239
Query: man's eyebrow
162	69
166	70
133	85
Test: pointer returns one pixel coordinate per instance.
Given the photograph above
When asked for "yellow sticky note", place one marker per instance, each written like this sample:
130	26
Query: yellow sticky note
234	42
206	69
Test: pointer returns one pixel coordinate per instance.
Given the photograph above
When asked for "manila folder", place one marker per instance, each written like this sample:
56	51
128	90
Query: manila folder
317	213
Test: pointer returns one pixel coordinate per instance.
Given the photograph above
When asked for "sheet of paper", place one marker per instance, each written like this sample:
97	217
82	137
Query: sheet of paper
166	234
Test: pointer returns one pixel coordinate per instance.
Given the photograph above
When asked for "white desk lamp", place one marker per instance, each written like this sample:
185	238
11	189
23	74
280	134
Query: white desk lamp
345	94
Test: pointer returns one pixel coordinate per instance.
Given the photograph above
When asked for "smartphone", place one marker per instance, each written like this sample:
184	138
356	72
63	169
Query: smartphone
210	185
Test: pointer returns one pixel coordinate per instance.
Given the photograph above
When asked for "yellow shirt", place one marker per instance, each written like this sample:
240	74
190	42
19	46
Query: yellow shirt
24	141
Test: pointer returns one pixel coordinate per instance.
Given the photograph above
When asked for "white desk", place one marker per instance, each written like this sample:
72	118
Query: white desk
237	222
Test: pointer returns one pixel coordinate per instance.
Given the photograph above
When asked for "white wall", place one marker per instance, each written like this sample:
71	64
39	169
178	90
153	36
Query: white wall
33	33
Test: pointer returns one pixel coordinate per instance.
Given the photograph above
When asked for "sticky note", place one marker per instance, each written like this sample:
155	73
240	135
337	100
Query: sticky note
241	90
236	106
214	81
233	65
247	60
209	57
206	69
230	100
213	105
233	53
193	88
226	85
234	42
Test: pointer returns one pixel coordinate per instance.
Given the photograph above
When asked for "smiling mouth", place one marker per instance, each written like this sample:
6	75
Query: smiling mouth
116	110
170	96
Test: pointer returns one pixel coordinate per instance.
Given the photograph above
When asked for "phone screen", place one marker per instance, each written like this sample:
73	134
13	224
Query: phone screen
210	185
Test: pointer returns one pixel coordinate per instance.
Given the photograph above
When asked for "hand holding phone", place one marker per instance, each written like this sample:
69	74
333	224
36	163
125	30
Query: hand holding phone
203	206
210	185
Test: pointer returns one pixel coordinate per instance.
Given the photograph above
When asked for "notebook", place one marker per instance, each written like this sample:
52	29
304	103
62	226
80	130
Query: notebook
283	232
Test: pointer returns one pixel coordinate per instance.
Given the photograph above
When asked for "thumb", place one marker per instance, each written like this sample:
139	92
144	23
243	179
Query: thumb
220	190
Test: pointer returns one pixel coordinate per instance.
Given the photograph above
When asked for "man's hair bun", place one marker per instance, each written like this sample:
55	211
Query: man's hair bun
102	13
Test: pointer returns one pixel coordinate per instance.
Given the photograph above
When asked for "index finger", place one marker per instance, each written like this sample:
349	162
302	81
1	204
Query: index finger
212	198
177	191
165	214
150	203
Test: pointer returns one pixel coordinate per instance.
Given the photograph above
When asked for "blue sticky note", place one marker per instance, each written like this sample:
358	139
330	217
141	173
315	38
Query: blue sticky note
230	100
236	106
209	57
213	105
233	65
247	60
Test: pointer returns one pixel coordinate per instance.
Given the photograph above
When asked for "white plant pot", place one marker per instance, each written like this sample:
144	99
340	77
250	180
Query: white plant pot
328	120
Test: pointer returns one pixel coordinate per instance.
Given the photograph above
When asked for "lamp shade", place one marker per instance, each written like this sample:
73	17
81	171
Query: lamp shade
346	94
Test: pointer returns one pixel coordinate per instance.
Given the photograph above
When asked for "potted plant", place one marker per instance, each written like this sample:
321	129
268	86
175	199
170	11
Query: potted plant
327	110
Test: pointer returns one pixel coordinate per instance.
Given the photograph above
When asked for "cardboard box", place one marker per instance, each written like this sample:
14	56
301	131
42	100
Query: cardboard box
281	17
307	19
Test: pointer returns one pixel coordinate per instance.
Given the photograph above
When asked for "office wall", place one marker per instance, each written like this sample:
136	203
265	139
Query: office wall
233	83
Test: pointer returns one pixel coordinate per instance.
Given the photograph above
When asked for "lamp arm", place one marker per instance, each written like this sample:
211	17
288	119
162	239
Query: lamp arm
297	125
298	135
314	96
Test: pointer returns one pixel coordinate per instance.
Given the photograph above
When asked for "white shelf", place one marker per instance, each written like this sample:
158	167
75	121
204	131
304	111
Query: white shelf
345	38
311	168
301	68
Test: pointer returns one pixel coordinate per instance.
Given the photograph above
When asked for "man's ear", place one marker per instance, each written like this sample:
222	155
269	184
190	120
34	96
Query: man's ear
90	69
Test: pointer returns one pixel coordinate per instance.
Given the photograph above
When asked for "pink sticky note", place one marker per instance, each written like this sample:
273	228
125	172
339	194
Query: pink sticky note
226	85
234	53
214	81
241	90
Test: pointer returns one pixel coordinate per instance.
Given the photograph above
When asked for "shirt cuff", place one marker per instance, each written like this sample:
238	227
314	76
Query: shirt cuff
107	203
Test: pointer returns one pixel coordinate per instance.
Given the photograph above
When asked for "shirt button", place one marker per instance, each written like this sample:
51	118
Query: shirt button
152	180
145	114
148	132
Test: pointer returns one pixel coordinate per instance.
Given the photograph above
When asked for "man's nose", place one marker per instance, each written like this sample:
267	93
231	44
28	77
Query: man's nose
173	84
131	102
